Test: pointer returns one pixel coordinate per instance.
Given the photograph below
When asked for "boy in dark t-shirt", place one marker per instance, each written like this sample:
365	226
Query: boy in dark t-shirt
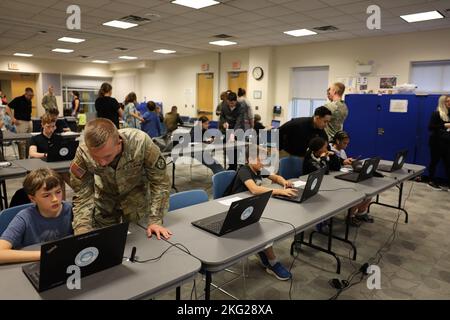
249	178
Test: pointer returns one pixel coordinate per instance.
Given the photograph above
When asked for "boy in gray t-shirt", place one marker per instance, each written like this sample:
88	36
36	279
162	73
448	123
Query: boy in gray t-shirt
47	220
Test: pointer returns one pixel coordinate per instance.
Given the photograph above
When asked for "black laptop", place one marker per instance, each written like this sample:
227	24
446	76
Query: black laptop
62	150
91	252
241	214
311	188
398	163
367	171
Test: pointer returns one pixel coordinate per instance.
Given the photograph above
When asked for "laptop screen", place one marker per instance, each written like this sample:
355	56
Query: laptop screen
275	124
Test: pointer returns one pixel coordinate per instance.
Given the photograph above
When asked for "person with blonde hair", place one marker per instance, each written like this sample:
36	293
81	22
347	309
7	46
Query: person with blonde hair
439	142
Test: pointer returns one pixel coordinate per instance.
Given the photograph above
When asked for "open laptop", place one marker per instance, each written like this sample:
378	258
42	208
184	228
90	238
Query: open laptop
240	214
62	150
398	163
367	171
91	252
311	188
275	124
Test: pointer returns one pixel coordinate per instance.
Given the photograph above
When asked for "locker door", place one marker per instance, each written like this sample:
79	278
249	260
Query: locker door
362	124
397	130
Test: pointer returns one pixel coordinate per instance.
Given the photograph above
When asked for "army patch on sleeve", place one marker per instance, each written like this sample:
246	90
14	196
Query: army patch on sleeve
77	171
161	163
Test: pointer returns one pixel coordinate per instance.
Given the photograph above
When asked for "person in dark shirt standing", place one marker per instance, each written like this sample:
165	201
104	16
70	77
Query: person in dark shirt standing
439	142
41	144
296	134
232	117
106	106
19	109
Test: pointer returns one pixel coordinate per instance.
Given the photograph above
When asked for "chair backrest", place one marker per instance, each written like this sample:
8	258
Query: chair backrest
187	198
221	181
7	215
213	124
291	167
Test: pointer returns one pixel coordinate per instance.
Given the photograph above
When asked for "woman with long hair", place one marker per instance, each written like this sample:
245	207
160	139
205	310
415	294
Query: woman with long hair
106	106
75	103
439	142
131	117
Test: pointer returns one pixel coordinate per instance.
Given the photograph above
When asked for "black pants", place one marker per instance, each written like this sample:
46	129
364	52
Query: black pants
439	151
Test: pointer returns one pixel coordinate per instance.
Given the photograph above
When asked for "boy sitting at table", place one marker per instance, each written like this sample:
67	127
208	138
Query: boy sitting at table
249	178
47	220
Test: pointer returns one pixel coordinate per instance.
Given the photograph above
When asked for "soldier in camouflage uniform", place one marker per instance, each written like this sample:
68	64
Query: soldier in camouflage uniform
338	110
118	175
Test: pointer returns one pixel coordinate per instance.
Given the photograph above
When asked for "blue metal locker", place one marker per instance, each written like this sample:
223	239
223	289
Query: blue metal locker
362	124
397	130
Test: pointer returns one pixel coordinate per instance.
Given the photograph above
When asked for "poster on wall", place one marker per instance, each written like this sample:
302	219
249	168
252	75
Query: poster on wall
399	106
388	83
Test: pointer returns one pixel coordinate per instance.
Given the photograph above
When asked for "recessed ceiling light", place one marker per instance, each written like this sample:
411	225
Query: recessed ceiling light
164	51
62	50
422	16
127	58
19	54
300	33
120	24
223	43
100	61
71	40
196	4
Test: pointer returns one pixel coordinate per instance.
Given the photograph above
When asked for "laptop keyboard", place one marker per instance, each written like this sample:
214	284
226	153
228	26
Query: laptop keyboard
215	226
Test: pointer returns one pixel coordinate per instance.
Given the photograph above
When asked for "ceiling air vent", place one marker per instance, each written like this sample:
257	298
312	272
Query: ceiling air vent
135	19
326	28
222	36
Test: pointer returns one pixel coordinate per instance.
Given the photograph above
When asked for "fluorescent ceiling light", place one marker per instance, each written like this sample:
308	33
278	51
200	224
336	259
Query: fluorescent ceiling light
196	4
223	43
120	24
300	33
422	16
164	51
19	54
100	61
71	40
127	58
62	50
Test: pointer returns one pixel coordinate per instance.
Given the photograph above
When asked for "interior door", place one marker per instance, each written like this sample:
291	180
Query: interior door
18	89
205	92
237	80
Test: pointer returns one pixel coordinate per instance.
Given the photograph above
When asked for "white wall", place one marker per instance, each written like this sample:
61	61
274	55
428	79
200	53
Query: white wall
174	82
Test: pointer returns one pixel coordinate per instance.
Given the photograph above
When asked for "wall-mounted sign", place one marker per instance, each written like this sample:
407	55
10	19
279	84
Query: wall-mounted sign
236	65
205	67
13	66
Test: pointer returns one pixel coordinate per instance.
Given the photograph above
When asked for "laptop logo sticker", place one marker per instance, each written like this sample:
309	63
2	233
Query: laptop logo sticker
369	169
314	184
86	256
64	152
247	213
400	160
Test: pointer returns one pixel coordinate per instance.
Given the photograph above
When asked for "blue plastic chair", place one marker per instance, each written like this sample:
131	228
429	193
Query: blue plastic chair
7	215
186	199
221	181
291	167
213	125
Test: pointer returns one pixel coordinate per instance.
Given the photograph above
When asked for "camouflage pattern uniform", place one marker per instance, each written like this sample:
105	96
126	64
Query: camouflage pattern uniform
134	186
339	113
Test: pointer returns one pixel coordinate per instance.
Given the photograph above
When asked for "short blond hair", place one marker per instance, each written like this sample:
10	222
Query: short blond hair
39	178
47	118
98	132
339	88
